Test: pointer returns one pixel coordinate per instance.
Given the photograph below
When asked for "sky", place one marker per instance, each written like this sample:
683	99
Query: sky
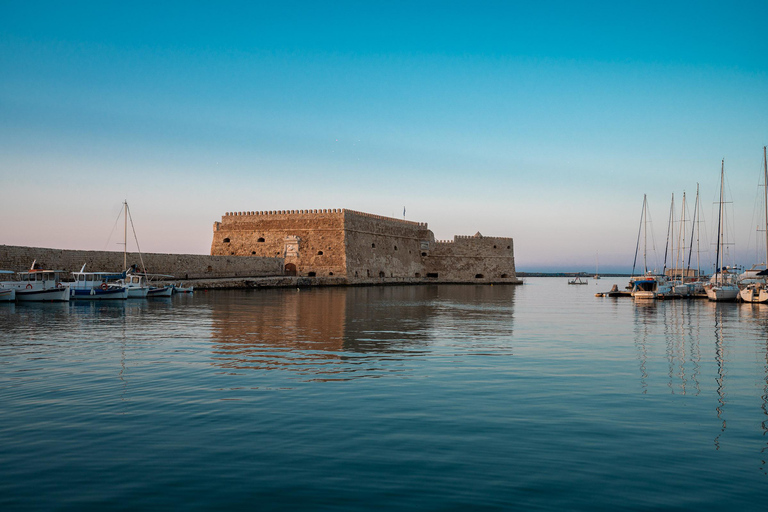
542	121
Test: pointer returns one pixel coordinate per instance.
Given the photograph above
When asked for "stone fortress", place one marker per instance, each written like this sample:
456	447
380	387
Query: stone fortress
340	246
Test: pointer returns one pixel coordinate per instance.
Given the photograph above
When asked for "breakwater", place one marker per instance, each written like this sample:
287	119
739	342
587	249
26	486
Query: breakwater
181	266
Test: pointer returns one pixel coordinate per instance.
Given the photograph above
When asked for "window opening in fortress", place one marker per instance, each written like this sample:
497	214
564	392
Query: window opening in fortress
395	247
423	254
418	274
253	252
319	253
504	276
226	240
431	274
373	246
479	276
260	240
330	273
382	274
494	246
311	274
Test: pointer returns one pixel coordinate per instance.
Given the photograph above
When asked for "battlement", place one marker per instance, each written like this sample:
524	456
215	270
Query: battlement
321	212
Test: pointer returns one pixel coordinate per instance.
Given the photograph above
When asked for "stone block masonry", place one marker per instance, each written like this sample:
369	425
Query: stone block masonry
181	266
363	248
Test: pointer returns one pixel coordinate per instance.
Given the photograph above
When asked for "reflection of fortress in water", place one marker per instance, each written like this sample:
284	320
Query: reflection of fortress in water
340	333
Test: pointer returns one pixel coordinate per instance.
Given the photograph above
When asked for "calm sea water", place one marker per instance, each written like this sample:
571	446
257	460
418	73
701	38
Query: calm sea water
536	397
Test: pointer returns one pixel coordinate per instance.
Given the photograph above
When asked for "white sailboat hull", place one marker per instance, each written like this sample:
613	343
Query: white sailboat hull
754	294
722	293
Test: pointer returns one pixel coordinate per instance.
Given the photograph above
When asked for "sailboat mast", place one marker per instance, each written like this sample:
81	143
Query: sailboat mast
718	274
125	234
680	243
765	183
645	234
693	231
670	227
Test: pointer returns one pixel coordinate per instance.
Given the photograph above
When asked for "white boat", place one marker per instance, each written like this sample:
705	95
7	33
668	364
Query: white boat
96	286
754	282
37	285
135	283
722	285
160	291
179	288
7	294
650	286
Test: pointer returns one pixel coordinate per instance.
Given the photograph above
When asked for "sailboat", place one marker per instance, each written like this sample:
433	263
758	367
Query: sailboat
722	286
754	279
139	284
647	286
597	266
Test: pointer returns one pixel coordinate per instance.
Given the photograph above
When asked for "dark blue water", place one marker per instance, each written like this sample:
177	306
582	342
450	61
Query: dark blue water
536	397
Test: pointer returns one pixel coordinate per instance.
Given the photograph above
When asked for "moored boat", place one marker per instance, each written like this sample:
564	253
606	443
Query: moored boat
650	286
722	285
38	285
7	294
754	282
96	286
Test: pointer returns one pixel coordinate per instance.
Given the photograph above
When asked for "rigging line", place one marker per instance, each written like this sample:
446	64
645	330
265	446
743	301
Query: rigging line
637	247
106	245
669	228
141	259
693	228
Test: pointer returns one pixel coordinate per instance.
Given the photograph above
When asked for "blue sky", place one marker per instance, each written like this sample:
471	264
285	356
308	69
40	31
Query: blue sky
543	121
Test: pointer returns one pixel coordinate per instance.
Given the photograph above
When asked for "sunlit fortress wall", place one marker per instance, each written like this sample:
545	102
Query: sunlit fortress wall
363	248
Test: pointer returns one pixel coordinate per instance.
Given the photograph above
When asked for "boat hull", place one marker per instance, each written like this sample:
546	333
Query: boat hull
165	291
7	295
724	293
46	295
754	295
99	294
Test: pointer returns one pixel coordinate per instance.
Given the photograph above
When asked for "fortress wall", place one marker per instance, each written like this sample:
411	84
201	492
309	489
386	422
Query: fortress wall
264	234
472	259
182	266
383	247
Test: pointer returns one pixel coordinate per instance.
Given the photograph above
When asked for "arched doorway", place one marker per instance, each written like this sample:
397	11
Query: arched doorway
290	269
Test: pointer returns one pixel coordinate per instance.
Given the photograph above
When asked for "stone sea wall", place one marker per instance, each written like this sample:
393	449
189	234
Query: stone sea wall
181	266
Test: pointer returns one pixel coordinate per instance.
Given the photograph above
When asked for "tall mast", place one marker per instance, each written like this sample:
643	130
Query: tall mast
720	226
645	234
694	231
680	243
670	228
125	234
765	183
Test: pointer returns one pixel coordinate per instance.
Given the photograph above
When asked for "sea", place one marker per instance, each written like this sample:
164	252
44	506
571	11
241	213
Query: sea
539	396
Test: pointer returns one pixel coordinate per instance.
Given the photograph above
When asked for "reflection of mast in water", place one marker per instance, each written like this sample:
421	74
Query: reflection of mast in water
681	334
764	405
641	341
694	333
720	360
